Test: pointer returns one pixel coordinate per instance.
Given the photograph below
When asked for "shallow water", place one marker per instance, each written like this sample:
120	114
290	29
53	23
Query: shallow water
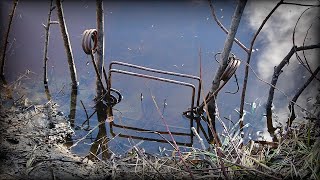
160	35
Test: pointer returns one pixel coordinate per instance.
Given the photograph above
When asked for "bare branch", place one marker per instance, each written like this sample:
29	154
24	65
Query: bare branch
225	55
223	28
277	71
67	44
307	67
296	96
15	3
298	4
46	44
100	45
245	80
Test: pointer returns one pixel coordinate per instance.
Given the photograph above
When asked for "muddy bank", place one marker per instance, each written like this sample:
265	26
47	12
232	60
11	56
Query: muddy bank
32	138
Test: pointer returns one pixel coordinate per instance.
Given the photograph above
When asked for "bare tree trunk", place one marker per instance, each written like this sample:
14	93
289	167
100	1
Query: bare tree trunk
224	57
100	45
276	74
296	96
46	44
67	44
15	3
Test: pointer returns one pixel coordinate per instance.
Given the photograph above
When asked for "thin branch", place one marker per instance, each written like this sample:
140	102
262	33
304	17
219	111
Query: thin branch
294	44
84	108
298	4
168	130
67	44
46	44
245	80
255	74
225	55
224	28
304	41
15	3
100	45
296	96
276	74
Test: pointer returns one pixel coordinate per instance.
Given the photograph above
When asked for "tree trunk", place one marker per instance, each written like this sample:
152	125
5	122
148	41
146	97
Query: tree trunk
100	45
224	57
15	3
67	44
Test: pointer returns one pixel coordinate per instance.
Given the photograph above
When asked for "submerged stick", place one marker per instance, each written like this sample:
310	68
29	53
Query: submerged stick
15	3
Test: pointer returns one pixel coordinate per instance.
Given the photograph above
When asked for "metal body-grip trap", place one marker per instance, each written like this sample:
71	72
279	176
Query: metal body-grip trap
194	98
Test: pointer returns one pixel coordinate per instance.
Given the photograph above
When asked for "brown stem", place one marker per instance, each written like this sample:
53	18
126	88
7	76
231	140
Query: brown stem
15	3
100	45
246	74
67	44
296	96
298	4
225	55
276	74
224	28
46	44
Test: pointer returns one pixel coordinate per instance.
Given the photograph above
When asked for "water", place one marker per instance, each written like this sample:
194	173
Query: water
160	35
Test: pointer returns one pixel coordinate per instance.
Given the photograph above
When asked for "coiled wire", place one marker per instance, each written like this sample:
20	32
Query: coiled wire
89	46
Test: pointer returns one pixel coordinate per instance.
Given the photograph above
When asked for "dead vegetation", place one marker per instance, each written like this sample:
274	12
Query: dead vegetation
32	147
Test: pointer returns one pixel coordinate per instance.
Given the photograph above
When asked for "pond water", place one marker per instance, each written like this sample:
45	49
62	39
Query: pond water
159	35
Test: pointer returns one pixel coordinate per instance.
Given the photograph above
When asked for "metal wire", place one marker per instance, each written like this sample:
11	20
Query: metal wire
90	41
161	72
89	46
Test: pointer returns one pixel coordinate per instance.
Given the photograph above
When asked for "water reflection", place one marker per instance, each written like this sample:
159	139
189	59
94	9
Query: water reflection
100	145
47	91
73	106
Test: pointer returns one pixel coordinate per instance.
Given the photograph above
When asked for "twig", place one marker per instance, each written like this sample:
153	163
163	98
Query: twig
174	142
100	45
303	44
296	96
67	44
272	86
294	45
298	4
276	74
46	44
225	56
223	28
15	3
246	74
85	110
